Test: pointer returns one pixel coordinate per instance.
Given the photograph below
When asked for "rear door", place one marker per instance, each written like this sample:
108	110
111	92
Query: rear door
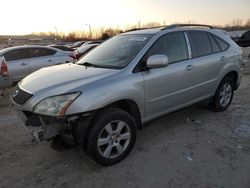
208	59
17	61
41	57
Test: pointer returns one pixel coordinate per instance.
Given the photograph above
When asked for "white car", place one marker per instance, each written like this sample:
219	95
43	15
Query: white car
20	61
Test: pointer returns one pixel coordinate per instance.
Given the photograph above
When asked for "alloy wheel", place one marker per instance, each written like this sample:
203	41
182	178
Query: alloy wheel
114	139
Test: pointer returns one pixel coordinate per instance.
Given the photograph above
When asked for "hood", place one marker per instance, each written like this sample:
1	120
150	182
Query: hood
64	77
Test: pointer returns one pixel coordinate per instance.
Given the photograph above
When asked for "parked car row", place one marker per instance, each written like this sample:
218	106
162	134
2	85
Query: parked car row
79	48
80	43
20	61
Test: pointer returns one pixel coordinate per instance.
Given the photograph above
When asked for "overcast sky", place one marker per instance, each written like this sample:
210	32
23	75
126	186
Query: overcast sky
27	16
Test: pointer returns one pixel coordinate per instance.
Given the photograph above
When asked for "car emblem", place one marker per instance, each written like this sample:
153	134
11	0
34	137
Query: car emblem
15	93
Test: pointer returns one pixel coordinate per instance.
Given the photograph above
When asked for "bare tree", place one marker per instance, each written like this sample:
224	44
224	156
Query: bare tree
236	23
248	23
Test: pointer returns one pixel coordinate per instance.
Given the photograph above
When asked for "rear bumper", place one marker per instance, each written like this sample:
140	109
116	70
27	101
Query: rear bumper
6	82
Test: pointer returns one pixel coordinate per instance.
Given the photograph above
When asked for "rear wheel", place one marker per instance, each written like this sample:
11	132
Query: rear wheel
224	95
112	137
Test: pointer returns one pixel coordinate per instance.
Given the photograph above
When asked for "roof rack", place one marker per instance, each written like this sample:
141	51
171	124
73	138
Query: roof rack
142	28
186	25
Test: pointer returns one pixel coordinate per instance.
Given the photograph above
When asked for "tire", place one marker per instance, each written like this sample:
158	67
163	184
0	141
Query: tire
223	95
112	137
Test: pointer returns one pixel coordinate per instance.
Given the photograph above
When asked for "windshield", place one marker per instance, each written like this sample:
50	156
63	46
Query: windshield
117	52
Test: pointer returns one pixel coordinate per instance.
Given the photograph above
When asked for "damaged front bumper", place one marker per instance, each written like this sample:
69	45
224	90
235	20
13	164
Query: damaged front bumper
44	127
40	127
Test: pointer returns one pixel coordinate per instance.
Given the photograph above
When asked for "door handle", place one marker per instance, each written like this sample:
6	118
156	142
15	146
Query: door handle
23	64
50	60
189	67
223	59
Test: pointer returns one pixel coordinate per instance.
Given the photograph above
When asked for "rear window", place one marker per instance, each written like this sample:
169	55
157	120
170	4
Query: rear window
200	43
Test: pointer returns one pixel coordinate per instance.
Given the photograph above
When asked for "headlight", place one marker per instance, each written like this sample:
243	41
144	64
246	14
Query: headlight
56	105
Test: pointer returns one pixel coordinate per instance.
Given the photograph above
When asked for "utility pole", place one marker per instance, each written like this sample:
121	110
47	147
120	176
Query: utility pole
56	33
90	31
139	24
56	30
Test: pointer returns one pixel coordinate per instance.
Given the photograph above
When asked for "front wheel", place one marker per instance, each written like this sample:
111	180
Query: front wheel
224	95
112	137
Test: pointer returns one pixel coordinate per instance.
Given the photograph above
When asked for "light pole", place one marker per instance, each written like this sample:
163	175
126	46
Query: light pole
90	32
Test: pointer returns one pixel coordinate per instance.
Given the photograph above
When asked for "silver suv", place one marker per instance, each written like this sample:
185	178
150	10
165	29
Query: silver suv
101	101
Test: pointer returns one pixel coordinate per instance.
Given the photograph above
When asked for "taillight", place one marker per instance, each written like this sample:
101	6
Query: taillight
4	69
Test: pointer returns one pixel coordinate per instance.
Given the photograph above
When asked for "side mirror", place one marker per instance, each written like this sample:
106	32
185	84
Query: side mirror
157	61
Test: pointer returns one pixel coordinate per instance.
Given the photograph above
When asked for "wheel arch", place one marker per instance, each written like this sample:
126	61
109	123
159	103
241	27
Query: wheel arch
127	105
233	75
130	107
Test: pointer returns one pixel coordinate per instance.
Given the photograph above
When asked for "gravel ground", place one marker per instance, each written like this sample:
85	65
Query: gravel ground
194	147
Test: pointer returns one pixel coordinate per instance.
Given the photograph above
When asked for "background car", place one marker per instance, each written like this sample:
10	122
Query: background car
92	42
76	44
62	47
81	51
71	51
23	60
243	40
5	80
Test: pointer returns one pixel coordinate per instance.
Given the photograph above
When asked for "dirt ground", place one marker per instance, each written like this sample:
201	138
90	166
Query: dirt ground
194	147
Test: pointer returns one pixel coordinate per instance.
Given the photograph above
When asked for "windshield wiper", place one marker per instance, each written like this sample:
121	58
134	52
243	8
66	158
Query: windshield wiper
88	64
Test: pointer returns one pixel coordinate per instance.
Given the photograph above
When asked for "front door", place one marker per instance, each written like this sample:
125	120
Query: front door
170	87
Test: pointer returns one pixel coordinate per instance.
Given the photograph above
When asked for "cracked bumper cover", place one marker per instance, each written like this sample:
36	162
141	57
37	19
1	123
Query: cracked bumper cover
43	127
46	127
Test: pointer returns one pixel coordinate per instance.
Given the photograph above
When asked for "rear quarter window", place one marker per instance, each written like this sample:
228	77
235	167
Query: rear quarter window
223	45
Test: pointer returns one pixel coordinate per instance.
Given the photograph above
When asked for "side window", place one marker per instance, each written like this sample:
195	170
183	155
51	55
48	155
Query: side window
173	45
223	45
200	43
16	55
215	46
39	52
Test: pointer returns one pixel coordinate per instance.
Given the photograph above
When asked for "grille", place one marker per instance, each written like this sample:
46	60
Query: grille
19	96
